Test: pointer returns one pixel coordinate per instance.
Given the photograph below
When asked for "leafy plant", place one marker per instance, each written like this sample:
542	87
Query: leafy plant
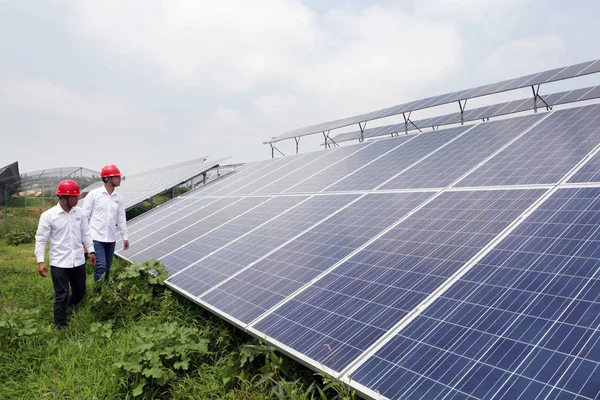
17	324
134	289
158	354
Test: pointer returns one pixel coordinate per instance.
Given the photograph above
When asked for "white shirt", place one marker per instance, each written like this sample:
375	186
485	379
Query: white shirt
105	214
66	232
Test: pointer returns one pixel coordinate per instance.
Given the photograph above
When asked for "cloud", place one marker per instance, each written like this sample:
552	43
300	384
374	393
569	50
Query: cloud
471	10
49	98
523	56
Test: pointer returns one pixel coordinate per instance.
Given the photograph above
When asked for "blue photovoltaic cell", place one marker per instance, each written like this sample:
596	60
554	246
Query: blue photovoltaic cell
171	220
347	166
221	265
544	154
336	319
205	244
456	159
403	157
273	278
298	161
521	324
590	172
330	159
173	236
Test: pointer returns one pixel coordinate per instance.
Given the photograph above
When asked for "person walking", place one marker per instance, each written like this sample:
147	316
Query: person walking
65	227
105	213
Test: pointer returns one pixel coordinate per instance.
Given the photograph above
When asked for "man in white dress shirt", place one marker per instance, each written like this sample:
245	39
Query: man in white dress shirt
65	227
105	213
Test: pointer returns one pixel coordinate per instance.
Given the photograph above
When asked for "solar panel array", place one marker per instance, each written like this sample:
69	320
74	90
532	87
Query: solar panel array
142	186
496	110
539	78
456	263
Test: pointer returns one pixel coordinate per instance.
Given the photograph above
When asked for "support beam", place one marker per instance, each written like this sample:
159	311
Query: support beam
462	111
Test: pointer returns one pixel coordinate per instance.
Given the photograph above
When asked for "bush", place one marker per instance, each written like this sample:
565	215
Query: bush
132	291
17	324
158	354
18	229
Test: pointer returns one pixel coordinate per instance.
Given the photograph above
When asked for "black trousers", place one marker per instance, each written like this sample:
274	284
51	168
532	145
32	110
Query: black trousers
61	279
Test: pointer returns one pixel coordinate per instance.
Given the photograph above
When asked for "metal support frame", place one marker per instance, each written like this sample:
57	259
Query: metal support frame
406	119
362	131
273	148
297	140
328	139
536	96
462	111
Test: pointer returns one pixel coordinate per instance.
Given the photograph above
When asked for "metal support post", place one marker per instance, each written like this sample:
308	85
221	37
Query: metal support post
362	131
297	139
326	142
462	111
535	97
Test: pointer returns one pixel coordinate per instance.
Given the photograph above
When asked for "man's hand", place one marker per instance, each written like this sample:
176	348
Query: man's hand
92	258
125	244
42	269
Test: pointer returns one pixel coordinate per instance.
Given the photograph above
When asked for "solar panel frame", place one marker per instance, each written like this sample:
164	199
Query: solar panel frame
524	81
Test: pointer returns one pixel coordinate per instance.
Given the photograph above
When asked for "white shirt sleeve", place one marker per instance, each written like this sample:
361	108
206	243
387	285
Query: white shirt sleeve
121	220
41	237
88	206
86	235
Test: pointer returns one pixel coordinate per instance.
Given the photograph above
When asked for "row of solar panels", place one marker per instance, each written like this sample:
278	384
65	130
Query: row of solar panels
475	114
435	289
553	75
140	187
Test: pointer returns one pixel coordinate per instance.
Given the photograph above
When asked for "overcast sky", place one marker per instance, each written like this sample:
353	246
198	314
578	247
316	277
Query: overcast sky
144	83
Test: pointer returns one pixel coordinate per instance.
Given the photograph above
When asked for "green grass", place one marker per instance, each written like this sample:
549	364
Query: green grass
79	362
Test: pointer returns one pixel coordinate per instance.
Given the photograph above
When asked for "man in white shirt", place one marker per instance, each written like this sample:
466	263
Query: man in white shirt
64	226
105	213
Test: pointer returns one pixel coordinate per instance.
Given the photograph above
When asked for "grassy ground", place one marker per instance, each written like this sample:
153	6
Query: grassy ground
119	337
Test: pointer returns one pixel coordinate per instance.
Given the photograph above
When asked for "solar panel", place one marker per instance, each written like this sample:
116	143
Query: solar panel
453	161
177	229
145	185
522	323
401	158
416	283
490	111
198	247
590	172
337	318
242	252
356	161
270	280
546	153
511	84
331	158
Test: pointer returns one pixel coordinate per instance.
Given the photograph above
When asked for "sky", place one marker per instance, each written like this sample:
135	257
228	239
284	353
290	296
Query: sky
147	83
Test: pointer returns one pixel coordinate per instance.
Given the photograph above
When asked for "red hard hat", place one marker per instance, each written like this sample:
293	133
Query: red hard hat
110	170
68	188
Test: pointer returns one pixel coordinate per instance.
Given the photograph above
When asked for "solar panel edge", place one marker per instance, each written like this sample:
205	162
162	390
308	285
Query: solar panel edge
472	262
